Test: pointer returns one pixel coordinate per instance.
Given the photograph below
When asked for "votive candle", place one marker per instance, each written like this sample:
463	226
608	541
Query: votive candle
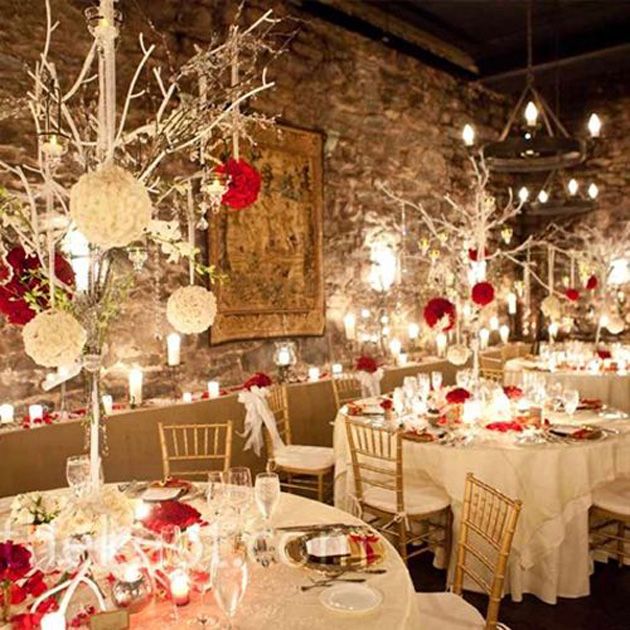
413	330
313	374
494	323
213	389
135	386
180	587
6	413
395	347
187	397
173	349
35	412
350	326
108	404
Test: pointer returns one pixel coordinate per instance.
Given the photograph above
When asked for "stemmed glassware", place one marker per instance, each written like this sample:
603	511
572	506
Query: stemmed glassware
436	380
239	488
230	577
267	494
203	542
424	386
78	473
571	400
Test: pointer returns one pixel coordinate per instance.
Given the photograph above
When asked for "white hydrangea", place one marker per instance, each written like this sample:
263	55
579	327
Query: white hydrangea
551	307
110	207
191	309
458	355
54	338
35	508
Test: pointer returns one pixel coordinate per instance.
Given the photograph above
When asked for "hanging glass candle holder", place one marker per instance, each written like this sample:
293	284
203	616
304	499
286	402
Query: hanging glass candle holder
284	357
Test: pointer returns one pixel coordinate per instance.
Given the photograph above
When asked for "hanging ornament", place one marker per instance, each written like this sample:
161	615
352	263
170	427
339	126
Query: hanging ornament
191	309
138	256
440	314
506	234
591	283
214	188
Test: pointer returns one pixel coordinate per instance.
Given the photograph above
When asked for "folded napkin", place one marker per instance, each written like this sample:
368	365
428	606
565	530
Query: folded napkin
326	546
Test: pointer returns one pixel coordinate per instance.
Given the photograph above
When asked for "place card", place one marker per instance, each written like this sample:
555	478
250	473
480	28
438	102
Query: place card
326	546
110	620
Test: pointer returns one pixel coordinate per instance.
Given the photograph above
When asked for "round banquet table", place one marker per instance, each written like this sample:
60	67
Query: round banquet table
550	556
611	388
273	598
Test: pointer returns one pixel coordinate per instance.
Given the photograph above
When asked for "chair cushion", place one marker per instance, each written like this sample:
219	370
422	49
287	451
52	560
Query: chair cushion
419	499
304	457
447	611
614	497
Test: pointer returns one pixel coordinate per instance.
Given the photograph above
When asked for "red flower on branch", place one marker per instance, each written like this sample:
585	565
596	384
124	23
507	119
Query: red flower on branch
458	396
573	295
169	514
437	309
473	254
259	379
482	293
513	392
591	283
366	364
243	186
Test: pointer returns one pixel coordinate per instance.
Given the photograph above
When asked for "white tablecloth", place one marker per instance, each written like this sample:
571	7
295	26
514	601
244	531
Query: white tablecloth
611	388
550	557
273	599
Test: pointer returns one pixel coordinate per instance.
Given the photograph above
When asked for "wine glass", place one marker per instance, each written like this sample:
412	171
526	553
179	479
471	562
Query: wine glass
78	473
571	400
436	380
424	386
239	487
230	577
267	493
202	549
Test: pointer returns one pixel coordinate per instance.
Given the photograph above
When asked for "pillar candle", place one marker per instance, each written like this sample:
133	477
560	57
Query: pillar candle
484	338
108	404
313	374
135	386
440	344
213	389
35	412
187	397
180	587
284	357
350	326
511	303
395	347
6	413
504	333
173	349
413	330
402	359
337	369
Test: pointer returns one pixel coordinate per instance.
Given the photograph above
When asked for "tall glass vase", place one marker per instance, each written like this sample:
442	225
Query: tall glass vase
92	365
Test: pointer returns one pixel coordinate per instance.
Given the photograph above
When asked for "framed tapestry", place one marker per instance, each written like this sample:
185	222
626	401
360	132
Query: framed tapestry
272	251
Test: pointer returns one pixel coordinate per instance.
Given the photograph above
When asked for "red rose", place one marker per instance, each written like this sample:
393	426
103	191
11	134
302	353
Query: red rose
243	185
35	584
387	404
457	396
15	561
482	293
572	294
591	283
604	354
504	427
512	392
366	364
260	379
168	514
436	309
473	254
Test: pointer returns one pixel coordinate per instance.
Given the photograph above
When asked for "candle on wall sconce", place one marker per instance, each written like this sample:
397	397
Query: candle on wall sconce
350	326
484	338
504	333
441	341
313	374
135	386
6	413
35	412
187	397
336	369
511	303
173	349
108	404
213	389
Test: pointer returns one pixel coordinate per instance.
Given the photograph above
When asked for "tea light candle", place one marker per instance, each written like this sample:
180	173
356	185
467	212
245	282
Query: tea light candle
313	374
504	333
440	344
413	330
6	413
336	369
135	386
484	338
180	587
350	326
53	621
108	404
213	389
35	412
187	397
395	347
512	301
173	349
131	573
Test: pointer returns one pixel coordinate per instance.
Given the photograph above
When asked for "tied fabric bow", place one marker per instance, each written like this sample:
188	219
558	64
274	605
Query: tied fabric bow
257	414
366	542
370	382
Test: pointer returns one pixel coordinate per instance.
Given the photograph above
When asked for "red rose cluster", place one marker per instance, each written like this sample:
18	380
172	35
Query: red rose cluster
23	274
259	379
573	295
387	404
512	392
366	364
169	514
436	309
482	293
243	186
591	283
457	396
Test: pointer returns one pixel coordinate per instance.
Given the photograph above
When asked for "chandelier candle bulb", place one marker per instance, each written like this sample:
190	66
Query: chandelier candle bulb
594	125
593	191
35	412
395	347
573	187
108	404
313	374
468	135
336	369
440	344
484	338
504	333
180	587
413	331
531	114
213	389
135	386
6	413
543	196
187	397
350	326
523	194
512	302
173	349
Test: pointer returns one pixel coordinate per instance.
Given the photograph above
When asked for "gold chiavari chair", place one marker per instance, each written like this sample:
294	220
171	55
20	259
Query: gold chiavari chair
610	519
491	368
192	450
489	521
300	467
346	388
377	466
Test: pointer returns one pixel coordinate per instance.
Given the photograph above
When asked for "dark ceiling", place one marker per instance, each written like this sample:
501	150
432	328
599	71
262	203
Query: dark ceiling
486	39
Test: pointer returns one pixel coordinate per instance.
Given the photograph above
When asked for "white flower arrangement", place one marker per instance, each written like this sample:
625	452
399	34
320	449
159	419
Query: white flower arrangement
191	309
54	338
458	354
551	307
110	207
34	508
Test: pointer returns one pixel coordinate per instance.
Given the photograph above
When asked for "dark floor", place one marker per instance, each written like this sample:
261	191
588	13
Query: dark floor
607	608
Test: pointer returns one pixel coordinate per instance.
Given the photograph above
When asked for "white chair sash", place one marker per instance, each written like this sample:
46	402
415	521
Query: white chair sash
370	382
257	414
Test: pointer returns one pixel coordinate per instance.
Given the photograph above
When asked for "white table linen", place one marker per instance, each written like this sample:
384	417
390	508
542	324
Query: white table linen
550	556
611	388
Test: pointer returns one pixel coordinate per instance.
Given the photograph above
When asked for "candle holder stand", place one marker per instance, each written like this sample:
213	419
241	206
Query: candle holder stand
174	377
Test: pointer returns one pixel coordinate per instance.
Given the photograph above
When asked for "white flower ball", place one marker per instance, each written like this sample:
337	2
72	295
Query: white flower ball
191	309
551	307
110	207
458	355
54	338
615	324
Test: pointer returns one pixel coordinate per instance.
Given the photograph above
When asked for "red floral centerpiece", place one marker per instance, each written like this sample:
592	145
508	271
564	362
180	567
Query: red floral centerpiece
243	185
259	379
591	283
22	275
437	309
15	563
604	354
513	392
168	514
573	295
457	396
366	364
482	293
387	404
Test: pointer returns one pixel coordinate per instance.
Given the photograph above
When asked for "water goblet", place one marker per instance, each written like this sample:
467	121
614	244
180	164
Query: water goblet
436	380
230	577
78	473
571	400
239	487
267	494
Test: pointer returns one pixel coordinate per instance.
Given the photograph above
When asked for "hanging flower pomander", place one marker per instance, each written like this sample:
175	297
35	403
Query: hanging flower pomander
191	309
54	338
440	314
458	354
551	307
110	207
243	185
482	293
573	295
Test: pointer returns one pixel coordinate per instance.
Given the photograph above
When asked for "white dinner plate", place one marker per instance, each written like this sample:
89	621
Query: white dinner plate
351	598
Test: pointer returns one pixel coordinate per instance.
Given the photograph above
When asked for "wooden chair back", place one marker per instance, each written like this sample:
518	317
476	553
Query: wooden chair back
491	368
278	401
488	524
192	450
346	388
376	454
